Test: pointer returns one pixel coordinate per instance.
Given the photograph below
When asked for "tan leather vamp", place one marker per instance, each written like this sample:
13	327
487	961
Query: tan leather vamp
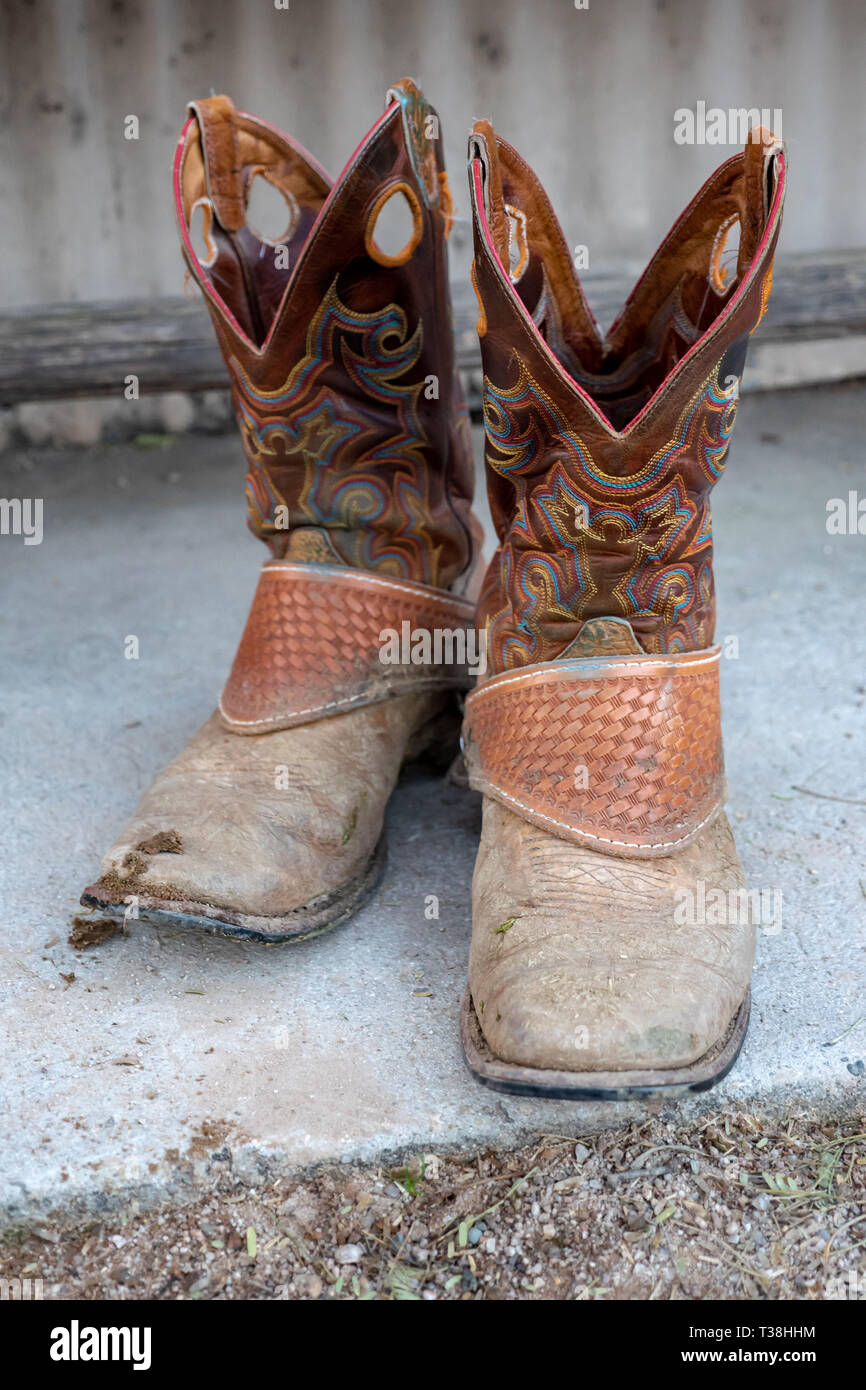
587	962
278	827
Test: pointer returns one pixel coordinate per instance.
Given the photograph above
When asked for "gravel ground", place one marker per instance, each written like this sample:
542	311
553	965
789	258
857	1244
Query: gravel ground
734	1205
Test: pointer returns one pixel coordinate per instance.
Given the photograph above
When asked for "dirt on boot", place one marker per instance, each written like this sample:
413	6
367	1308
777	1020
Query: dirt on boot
163	842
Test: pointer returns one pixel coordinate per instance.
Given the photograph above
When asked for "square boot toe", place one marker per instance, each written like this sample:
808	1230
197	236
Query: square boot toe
584	962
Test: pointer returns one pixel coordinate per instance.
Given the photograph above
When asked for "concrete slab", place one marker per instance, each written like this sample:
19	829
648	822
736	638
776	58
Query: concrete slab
168	1056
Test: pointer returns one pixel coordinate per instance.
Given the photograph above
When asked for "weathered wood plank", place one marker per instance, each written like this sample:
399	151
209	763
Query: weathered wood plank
63	350
58	350
821	295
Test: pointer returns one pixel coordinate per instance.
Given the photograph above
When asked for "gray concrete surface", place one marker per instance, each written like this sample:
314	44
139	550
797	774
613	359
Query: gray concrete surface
169	1057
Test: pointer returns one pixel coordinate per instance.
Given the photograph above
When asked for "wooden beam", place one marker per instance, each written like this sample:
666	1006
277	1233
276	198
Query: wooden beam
58	350
89	349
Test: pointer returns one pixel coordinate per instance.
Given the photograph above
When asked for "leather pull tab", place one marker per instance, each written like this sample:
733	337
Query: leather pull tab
482	145
405	92
222	161
422	136
758	188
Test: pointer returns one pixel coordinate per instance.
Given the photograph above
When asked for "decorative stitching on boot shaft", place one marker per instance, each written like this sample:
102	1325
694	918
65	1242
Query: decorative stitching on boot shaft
343	373
602	447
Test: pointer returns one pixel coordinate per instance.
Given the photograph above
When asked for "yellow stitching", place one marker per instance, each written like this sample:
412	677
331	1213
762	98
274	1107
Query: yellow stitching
524	376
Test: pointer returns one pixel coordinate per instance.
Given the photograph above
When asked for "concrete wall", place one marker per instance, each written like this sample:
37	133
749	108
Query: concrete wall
587	96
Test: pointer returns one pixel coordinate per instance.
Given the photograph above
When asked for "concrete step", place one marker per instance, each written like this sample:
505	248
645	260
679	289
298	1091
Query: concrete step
169	1056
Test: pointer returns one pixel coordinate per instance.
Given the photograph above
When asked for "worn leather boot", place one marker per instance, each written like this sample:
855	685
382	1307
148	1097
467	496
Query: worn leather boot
612	943
269	823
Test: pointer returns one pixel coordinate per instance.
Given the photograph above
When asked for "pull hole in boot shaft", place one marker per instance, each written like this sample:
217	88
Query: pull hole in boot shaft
725	255
272	213
200	231
394	227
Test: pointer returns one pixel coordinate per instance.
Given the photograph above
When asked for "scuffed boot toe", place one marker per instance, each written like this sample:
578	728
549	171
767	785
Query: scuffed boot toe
583	962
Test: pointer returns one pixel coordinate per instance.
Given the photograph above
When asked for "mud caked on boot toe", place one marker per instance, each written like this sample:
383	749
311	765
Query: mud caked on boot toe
612	940
269	823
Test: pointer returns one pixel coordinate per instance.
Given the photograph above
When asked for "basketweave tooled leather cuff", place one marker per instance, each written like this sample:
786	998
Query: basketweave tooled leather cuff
322	639
621	754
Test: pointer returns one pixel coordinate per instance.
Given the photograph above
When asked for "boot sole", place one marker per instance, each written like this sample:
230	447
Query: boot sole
670	1084
300	924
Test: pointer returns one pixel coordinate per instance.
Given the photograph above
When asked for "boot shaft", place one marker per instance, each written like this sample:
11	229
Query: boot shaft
340	355
602	450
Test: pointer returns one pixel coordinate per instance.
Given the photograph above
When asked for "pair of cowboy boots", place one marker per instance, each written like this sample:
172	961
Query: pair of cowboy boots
593	732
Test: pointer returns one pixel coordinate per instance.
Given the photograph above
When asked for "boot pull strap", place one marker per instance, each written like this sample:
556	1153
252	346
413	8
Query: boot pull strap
482	147
222	160
760	174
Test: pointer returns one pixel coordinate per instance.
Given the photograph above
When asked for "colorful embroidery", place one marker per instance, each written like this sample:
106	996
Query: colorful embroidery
585	543
353	464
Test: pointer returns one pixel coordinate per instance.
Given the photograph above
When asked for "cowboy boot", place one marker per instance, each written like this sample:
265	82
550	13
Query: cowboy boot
269	823
598	968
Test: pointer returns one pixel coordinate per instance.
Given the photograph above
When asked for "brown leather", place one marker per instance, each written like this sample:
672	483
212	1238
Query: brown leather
596	740
341	360
602	448
604	637
314	641
222	160
622	754
360	477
